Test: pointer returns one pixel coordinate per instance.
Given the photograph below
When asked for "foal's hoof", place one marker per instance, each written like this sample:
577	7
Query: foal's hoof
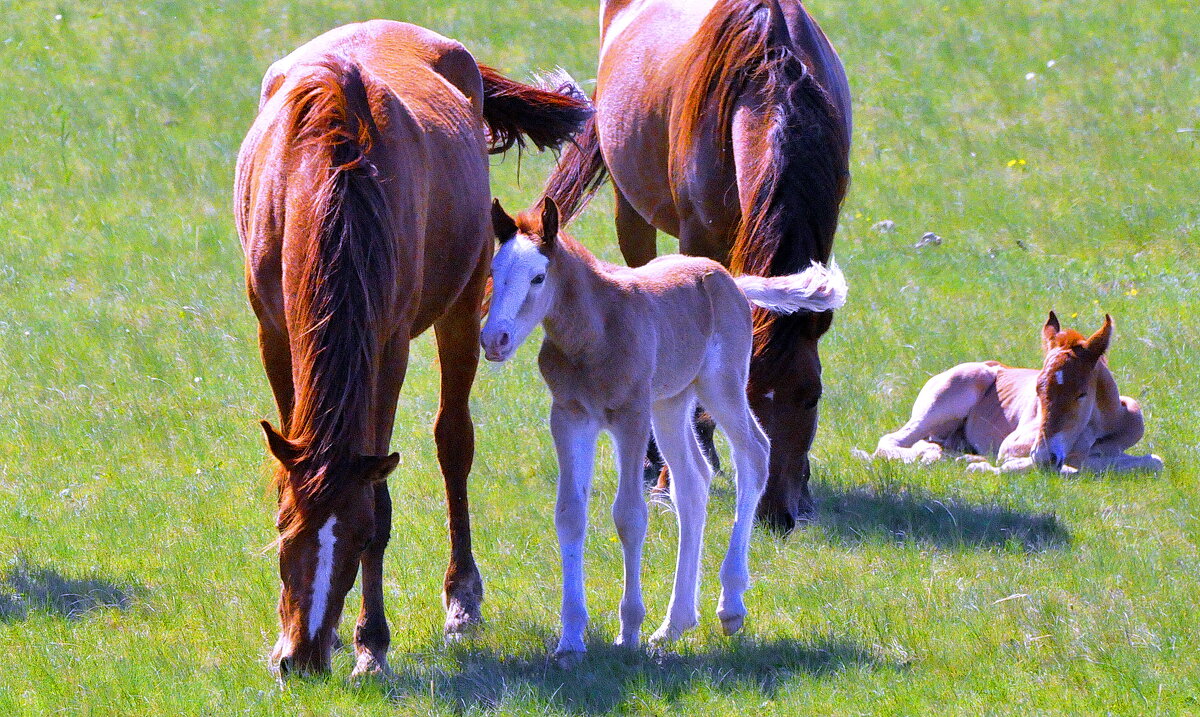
982	467
732	624
568	659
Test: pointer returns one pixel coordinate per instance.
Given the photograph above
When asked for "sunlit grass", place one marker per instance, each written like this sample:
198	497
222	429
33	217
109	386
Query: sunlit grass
134	513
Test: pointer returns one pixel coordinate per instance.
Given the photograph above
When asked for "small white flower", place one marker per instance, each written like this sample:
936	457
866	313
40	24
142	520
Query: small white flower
1029	76
1051	63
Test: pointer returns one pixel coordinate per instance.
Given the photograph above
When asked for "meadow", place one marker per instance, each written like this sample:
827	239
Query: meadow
1052	144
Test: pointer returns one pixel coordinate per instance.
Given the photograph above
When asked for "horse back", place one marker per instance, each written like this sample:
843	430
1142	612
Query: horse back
425	98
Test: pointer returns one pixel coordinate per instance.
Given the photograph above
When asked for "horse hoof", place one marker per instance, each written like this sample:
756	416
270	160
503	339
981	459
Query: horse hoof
369	666
460	619
731	625
568	659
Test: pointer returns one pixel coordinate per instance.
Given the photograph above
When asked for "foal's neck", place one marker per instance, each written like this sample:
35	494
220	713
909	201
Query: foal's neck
575	322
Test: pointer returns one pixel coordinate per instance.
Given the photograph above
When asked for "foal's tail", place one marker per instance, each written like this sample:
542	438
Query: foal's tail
818	288
515	112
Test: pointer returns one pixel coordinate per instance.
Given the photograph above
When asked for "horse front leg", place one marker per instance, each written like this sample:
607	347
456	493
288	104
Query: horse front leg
630	433
454	433
574	435
371	634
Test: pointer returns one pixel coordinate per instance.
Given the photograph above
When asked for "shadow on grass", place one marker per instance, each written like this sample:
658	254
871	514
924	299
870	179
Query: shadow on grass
609	676
25	589
863	514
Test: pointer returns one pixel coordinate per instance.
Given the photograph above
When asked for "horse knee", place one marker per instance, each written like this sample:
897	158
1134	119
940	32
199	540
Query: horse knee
630	518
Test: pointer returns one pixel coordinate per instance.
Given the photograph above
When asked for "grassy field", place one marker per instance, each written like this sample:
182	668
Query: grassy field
1053	145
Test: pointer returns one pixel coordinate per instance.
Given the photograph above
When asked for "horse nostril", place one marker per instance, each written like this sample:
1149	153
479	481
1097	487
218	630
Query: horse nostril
503	339
285	666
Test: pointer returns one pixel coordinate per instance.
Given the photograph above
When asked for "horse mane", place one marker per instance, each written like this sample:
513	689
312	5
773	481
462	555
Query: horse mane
798	185
346	271
514	112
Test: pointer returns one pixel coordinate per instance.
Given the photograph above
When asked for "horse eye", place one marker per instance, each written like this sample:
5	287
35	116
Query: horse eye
538	279
1081	396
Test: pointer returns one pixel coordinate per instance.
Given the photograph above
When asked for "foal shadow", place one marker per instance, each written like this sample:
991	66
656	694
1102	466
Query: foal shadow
865	514
487	680
26	589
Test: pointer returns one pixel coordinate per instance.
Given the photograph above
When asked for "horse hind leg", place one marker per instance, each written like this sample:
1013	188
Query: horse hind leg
941	408
726	400
689	493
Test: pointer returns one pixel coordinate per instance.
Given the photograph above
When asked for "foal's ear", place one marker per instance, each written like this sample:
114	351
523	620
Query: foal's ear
502	224
1098	343
377	468
549	222
1050	330
284	450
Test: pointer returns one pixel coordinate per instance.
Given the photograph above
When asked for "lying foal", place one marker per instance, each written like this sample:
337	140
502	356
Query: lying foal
626	349
1068	415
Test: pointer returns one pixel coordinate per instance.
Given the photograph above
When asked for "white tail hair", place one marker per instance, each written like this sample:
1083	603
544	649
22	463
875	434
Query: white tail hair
817	288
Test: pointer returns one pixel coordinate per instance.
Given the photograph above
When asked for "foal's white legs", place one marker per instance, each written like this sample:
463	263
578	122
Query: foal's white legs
575	442
725	398
631	433
690	475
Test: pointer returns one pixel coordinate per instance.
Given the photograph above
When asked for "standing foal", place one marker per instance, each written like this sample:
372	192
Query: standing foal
627	348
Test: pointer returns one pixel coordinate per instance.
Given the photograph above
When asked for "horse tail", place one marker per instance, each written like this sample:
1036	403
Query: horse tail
796	189
347	268
818	288
514	112
580	172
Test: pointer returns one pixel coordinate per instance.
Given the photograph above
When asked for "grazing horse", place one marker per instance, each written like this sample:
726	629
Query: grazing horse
1068	415
362	205
627	349
727	124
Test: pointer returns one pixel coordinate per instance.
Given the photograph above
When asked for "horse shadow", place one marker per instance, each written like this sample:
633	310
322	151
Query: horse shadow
864	514
27	589
487	679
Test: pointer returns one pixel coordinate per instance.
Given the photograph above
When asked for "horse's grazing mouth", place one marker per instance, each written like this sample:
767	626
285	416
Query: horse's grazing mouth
1067	416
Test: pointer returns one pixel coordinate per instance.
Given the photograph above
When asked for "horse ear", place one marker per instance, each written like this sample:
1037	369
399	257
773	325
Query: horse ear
284	450
549	222
377	468
779	35
1050	330
502	224
1098	343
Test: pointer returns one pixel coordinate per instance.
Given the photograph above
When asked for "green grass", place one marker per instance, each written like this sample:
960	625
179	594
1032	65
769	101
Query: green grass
134	512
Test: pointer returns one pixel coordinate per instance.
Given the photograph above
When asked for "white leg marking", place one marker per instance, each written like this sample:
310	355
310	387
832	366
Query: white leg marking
323	579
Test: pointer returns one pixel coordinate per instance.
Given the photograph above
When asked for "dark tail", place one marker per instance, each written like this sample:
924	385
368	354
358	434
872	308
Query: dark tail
580	172
799	185
348	263
515	112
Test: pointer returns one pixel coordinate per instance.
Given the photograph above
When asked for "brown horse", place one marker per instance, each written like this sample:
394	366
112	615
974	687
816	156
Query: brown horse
362	204
1068	415
727	125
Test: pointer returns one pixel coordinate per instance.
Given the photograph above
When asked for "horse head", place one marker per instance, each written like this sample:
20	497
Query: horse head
523	285
326	519
1066	388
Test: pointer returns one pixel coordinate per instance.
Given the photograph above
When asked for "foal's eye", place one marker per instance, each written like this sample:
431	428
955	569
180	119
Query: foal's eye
1081	396
538	279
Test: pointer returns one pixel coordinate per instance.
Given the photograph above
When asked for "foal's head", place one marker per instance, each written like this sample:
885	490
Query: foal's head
523	282
1066	387
326	518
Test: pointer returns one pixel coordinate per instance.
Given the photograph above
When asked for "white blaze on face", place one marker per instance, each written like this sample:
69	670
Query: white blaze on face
518	287
323	579
1058	377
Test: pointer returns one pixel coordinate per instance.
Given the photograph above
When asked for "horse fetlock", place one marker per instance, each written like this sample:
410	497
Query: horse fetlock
370	663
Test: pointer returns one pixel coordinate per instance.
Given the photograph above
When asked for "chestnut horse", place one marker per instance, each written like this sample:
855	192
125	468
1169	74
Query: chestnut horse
626	349
727	124
362	205
1068	415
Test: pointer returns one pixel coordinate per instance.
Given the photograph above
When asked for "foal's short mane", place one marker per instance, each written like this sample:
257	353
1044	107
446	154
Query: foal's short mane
798	186
345	277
